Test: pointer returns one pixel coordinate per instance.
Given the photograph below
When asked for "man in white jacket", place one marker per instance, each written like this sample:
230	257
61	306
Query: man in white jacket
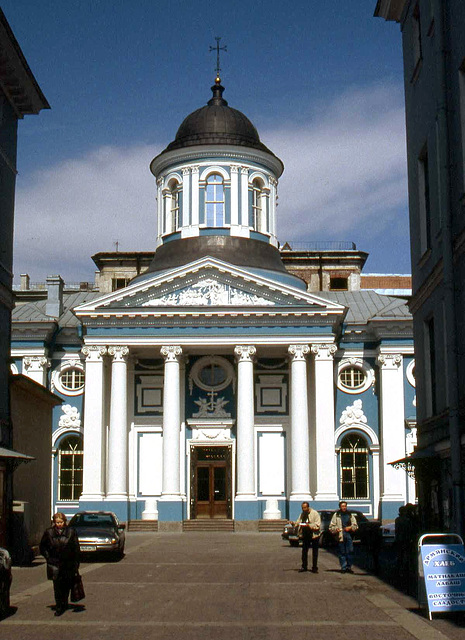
308	524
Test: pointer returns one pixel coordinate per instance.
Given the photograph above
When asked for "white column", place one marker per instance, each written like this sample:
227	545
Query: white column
118	436
326	477
195	200
159	208
244	202
245	423
273	204
300	463
186	219
94	411
171	423
376	486
35	367
234	198
393	484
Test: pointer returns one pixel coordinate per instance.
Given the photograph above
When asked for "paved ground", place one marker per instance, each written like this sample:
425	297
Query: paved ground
222	586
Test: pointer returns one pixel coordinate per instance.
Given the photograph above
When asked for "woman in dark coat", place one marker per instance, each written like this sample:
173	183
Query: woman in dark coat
60	548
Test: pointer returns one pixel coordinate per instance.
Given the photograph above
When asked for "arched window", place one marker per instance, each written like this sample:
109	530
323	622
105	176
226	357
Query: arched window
174	210
257	204
354	467
214	200
70	458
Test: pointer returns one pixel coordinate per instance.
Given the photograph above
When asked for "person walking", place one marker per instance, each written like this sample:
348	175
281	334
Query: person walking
308	524
342	524
60	548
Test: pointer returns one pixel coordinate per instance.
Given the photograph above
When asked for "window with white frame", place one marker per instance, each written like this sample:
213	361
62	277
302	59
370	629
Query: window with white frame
174	210
257	205
70	464
214	200
354	375
69	379
354	464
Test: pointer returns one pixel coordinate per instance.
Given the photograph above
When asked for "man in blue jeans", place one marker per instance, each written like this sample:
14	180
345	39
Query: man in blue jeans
343	524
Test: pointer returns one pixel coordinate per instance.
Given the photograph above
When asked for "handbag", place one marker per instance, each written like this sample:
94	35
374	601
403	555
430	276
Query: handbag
77	589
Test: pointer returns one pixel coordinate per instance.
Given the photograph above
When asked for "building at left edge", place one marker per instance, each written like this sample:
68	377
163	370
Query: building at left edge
20	95
216	384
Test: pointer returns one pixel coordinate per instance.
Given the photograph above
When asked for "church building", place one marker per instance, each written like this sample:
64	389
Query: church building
215	384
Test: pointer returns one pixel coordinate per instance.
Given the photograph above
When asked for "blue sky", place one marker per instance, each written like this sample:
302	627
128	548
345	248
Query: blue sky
323	86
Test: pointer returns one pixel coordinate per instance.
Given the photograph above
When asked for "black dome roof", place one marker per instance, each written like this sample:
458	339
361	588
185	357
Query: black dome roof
217	123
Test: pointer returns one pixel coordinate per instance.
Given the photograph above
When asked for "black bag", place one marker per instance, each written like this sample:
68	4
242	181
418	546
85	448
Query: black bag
77	590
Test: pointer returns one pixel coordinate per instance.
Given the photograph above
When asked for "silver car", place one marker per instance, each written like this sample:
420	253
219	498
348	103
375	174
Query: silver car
99	532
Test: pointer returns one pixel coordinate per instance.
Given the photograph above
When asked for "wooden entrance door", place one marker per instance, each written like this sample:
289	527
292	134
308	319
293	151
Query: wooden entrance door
211	482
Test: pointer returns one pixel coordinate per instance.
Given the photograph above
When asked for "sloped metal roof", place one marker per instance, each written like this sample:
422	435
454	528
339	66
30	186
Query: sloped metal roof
35	311
368	305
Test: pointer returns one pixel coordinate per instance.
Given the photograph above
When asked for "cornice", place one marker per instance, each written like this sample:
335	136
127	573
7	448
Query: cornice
427	287
227	152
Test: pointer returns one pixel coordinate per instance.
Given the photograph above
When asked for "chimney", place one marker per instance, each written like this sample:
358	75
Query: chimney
54	306
25	280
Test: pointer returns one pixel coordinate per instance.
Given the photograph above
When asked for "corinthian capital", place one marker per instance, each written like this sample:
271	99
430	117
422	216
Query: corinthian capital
171	353
36	362
324	351
118	353
389	360
244	353
93	352
298	351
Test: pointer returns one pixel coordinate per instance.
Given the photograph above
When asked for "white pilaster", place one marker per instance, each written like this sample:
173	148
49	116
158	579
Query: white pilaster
245	423
94	450
244	221
234	198
171	423
376	481
323	441
159	209
35	367
186	189
393	487
273	199
118	436
300	463
195	200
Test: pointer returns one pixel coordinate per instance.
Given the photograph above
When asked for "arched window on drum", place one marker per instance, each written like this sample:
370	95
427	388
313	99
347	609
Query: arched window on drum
214	200
258	205
70	463
354	467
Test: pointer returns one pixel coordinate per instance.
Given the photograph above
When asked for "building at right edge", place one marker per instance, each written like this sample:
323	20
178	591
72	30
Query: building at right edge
434	72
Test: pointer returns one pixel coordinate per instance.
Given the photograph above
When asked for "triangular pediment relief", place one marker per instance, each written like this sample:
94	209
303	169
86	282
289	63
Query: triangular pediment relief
208	283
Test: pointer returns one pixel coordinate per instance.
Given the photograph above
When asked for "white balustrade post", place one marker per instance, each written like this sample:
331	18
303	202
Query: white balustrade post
171	423
94	402
35	367
245	423
118	436
300	463
324	426
393	481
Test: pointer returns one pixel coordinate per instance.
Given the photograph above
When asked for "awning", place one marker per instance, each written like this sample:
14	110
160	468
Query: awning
14	457
416	458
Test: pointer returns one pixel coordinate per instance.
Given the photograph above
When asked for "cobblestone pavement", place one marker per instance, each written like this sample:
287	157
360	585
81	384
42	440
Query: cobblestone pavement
222	586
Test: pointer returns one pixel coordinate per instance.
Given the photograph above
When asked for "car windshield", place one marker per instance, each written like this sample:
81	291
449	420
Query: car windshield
92	520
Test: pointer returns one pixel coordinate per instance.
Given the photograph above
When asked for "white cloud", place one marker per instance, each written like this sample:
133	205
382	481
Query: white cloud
345	179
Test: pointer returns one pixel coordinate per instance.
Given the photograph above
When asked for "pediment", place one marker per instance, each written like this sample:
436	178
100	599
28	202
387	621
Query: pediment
208	283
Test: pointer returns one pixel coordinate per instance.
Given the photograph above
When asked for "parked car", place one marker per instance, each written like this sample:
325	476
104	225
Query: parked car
5	582
368	531
99	532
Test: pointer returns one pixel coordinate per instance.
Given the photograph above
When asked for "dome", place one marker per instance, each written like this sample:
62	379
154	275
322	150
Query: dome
217	123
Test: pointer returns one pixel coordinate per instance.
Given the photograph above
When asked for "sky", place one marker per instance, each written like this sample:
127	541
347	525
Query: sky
321	81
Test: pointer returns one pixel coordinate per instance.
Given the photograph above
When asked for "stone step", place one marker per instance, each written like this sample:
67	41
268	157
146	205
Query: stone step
208	525
265	526
143	525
